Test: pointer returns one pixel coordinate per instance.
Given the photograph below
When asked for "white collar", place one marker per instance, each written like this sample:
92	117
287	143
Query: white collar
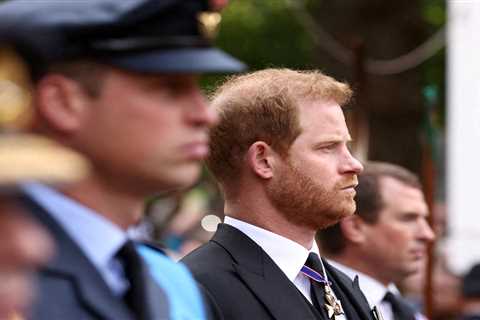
373	290
97	237
288	255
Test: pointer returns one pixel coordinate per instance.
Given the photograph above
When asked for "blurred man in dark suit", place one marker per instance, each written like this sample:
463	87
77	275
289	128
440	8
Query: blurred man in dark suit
386	240
471	294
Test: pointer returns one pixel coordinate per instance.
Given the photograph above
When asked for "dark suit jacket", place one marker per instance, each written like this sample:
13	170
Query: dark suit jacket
470	317
244	283
70	288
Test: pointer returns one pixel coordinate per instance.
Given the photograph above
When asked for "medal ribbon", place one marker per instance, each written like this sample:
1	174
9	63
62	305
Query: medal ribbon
314	275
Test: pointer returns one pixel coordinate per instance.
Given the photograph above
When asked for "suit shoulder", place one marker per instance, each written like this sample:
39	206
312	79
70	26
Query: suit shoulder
208	257
339	273
212	266
215	270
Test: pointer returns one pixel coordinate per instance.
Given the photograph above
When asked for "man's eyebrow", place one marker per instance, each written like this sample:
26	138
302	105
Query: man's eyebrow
327	142
335	138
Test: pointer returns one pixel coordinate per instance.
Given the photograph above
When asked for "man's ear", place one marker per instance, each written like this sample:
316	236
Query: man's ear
61	102
261	159
353	229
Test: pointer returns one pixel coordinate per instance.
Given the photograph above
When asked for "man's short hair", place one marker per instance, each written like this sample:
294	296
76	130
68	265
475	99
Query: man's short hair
368	199
89	74
263	106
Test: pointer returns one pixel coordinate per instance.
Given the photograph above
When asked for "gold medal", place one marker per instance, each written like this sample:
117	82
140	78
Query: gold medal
332	304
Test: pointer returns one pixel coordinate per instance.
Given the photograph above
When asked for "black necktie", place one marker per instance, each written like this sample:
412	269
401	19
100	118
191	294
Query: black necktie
400	309
135	297
317	291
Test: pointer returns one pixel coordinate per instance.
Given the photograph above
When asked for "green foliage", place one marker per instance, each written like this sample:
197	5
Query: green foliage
434	12
263	33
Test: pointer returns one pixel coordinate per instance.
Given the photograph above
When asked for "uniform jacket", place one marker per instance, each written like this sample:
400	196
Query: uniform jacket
70	287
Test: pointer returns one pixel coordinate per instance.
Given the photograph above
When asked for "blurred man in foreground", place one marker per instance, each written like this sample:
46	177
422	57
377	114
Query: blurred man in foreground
280	155
117	81
23	247
24	244
386	240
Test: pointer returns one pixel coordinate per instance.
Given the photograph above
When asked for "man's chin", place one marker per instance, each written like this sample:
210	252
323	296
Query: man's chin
345	209
334	218
192	172
180	179
349	209
330	221
187	181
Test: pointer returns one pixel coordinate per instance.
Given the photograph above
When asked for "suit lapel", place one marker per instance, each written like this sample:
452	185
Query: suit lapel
70	264
269	284
351	290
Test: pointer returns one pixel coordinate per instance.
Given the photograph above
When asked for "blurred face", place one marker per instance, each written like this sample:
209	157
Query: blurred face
315	185
147	132
395	246
23	247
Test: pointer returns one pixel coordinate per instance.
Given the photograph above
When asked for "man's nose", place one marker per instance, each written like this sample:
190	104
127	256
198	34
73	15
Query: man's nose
426	233
200	112
352	164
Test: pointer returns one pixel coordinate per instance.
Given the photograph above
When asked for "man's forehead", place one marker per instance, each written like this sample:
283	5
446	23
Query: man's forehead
329	111
114	74
326	118
394	191
390	182
166	78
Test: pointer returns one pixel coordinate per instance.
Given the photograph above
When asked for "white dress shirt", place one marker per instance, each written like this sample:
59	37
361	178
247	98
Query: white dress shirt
373	290
97	237
288	255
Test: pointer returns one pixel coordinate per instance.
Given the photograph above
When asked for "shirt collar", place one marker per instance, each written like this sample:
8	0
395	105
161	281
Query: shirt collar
288	255
96	236
373	290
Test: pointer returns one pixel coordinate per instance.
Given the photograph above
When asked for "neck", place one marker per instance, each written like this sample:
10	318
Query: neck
359	264
118	206
265	216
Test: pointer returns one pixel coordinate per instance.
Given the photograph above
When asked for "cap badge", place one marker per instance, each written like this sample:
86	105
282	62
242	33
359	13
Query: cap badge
209	23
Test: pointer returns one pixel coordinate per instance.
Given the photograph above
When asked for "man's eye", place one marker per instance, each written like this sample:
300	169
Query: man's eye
325	149
175	89
329	147
409	217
